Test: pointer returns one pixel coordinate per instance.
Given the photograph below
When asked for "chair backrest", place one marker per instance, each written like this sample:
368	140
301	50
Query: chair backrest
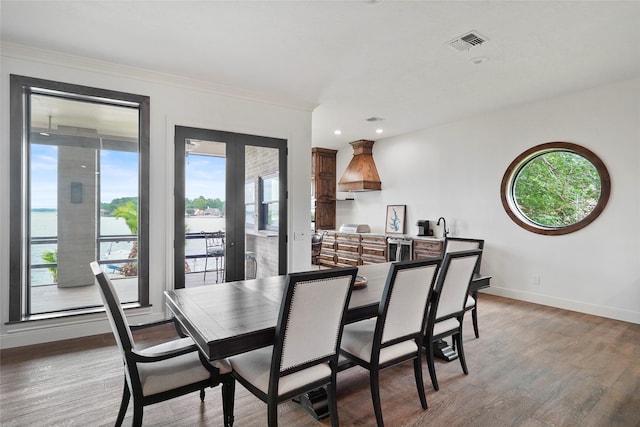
214	242
458	244
115	313
402	310
311	319
452	286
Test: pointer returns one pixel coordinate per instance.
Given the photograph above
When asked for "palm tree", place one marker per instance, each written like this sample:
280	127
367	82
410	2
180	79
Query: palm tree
129	212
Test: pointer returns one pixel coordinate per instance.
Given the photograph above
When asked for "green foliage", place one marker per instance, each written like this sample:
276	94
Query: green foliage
51	257
128	212
116	203
557	189
202	204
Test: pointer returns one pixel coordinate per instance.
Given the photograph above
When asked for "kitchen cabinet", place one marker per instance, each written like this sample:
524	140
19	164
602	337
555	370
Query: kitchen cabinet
423	248
347	249
328	251
323	187
373	249
352	249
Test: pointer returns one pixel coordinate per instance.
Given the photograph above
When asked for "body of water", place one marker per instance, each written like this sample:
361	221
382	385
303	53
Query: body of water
45	224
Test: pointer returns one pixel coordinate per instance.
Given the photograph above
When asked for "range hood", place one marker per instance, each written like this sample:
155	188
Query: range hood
361	173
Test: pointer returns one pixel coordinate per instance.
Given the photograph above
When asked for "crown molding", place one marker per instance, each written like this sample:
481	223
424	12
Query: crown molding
29	53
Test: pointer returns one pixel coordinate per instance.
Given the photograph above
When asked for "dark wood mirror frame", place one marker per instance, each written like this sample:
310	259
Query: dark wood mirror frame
506	187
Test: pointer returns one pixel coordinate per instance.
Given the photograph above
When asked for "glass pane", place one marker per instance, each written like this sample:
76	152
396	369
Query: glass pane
81	154
205	186
557	189
261	246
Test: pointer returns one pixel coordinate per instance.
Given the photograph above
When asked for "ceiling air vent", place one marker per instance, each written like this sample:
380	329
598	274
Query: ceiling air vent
467	41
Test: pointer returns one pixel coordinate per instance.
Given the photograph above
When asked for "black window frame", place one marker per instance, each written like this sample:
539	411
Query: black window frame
21	88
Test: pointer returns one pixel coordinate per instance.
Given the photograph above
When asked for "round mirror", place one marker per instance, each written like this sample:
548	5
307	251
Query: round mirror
555	188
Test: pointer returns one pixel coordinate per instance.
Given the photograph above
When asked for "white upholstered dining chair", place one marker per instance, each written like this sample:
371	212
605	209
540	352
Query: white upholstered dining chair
447	305
457	244
396	334
163	371
304	355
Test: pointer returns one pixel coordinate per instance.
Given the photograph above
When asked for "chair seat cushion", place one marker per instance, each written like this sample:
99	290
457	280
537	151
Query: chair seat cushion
357	340
186	369
255	367
471	302
446	326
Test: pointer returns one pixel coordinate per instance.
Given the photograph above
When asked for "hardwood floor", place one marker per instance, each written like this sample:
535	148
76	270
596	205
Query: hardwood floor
532	366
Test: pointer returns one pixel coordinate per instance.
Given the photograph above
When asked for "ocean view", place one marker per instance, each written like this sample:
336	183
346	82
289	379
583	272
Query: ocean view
45	224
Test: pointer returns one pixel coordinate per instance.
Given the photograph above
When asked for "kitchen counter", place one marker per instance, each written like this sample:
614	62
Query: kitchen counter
340	249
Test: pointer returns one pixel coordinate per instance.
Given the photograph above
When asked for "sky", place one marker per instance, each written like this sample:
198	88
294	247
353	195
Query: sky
205	176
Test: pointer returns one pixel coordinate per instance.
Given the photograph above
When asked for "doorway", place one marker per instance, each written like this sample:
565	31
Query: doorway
230	206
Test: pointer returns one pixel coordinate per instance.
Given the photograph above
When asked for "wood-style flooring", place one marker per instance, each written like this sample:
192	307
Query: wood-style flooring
532	366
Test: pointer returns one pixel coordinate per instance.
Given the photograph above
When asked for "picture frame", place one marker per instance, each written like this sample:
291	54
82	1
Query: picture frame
395	222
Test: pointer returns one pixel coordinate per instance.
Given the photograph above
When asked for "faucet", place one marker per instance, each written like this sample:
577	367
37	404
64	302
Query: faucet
444	226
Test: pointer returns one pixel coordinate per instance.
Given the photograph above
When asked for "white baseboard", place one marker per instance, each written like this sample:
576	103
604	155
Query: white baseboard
566	304
40	332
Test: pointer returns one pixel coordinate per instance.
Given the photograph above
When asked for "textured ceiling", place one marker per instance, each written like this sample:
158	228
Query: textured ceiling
353	59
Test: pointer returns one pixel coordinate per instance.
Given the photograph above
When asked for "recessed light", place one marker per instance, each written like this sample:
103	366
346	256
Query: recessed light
479	60
337	132
379	131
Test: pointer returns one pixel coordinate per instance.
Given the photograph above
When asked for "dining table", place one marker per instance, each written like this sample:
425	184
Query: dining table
230	318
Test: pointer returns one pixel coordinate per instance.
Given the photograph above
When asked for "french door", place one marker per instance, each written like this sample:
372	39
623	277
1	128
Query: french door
232	186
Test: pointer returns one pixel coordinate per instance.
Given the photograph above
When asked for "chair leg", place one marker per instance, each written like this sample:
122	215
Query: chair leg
202	395
206	260
333	406
431	366
126	395
417	369
375	395
474	318
228	396
463	362
272	414
137	414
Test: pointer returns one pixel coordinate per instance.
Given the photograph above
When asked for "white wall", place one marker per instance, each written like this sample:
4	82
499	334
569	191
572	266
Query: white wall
454	170
174	101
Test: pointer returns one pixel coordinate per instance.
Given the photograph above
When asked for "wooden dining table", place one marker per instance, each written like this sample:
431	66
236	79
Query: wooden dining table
235	317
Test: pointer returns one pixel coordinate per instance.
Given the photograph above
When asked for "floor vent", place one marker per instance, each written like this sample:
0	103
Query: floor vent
467	41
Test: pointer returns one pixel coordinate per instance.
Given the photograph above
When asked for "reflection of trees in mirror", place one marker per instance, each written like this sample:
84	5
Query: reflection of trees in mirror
557	188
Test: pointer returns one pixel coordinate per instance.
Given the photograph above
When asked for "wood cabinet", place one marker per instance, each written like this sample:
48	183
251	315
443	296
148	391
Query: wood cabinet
323	187
427	248
373	249
328	251
352	249
347	249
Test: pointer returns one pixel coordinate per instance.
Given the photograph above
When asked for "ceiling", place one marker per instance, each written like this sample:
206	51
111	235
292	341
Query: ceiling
351	60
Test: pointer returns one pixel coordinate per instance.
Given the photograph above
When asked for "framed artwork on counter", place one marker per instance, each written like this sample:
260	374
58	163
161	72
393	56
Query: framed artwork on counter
395	219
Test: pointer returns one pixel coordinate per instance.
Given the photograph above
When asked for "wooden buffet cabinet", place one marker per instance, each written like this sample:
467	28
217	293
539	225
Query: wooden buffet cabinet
352	249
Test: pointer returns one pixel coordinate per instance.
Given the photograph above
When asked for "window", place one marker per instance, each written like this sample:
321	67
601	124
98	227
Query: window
269	207
555	188
250	204
79	185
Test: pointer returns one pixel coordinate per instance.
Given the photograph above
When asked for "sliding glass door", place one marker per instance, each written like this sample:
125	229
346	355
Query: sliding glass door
230	207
